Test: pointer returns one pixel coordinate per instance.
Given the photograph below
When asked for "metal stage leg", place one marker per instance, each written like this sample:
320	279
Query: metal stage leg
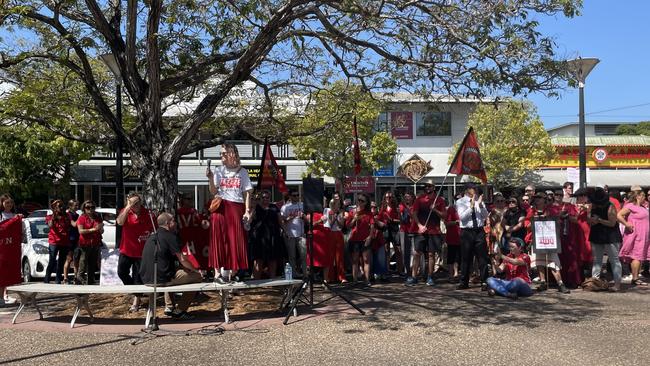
224	304
150	314
26	298
82	303
293	301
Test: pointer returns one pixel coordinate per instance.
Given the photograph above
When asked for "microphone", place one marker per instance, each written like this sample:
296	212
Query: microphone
209	163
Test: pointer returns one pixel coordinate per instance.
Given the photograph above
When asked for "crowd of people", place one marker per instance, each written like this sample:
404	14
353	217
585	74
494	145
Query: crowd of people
474	239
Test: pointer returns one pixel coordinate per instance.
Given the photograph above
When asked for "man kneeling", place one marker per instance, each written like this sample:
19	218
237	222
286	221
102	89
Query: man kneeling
516	266
169	250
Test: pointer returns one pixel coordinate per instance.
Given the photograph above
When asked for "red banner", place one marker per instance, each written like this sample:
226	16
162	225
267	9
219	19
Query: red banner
468	158
401	125
10	250
195	240
270	173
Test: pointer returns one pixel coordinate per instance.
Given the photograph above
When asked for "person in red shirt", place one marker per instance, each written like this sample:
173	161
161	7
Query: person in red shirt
137	223
407	230
90	228
427	215
452	238
361	224
516	266
59	239
389	213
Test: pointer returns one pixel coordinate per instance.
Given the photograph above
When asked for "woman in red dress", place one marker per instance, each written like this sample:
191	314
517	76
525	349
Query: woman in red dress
228	240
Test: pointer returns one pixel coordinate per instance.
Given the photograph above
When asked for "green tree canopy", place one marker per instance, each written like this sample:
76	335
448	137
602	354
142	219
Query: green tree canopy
32	158
193	59
328	150
512	140
641	128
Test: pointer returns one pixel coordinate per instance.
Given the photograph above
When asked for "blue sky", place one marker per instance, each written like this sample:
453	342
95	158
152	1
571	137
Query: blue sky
617	33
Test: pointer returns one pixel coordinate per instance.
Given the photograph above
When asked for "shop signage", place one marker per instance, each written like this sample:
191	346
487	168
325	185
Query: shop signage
385	171
129	174
359	185
415	168
612	156
600	154
401	125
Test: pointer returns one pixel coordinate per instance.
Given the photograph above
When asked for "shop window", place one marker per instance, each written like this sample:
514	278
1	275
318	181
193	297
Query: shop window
433	123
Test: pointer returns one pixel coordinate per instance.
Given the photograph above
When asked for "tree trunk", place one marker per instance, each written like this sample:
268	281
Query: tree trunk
159	180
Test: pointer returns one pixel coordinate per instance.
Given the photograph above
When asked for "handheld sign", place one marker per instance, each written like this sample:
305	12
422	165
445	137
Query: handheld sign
546	235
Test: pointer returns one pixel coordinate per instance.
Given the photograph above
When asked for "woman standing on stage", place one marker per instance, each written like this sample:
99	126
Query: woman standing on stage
228	243
335	222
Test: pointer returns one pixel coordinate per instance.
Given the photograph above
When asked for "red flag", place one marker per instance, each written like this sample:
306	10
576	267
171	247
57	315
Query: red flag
468	158
270	173
11	234
355	147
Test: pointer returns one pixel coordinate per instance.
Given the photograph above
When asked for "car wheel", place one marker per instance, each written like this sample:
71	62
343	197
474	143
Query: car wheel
27	271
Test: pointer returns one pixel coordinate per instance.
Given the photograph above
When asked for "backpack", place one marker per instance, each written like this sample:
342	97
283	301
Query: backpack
594	284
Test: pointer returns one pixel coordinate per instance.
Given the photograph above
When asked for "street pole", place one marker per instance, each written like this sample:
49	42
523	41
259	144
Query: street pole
581	138
119	167
111	63
580	68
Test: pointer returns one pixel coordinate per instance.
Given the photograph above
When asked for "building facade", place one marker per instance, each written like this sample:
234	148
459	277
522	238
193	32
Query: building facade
428	128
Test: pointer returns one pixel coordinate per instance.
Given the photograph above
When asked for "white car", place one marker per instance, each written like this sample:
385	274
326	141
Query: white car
39	213
35	248
108	216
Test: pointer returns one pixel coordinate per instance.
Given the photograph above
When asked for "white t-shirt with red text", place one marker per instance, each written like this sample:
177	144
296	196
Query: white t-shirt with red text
232	183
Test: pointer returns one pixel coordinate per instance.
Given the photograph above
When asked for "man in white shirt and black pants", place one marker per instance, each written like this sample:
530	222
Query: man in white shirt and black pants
472	213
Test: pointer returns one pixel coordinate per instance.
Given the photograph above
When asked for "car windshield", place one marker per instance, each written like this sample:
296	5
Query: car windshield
39	229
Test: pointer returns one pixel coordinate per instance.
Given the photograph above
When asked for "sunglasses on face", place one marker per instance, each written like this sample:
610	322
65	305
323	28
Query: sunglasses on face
526	200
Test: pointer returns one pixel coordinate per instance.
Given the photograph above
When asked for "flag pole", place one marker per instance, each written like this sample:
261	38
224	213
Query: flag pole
447	175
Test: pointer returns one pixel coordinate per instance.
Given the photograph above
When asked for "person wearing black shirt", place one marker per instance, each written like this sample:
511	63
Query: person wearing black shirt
514	218
168	272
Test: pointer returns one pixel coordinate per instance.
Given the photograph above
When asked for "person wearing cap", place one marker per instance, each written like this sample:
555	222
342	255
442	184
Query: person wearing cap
473	213
604	235
515	265
539	210
427	215
636	237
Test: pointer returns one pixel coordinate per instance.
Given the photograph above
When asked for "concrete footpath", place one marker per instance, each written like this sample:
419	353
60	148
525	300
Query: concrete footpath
407	325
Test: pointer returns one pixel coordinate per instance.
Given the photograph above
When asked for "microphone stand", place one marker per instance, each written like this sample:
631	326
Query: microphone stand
152	330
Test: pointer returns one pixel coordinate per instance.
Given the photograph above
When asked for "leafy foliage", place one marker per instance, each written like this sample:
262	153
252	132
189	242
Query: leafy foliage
512	140
32	158
641	128
328	149
253	61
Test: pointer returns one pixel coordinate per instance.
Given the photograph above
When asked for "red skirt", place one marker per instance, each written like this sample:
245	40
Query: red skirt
228	239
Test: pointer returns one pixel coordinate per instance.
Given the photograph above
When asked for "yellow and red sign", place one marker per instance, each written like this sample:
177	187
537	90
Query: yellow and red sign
602	157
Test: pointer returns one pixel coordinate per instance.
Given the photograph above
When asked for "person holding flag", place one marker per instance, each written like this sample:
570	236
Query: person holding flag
428	210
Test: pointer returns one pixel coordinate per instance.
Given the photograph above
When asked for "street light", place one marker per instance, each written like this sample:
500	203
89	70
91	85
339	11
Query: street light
580	68
111	62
